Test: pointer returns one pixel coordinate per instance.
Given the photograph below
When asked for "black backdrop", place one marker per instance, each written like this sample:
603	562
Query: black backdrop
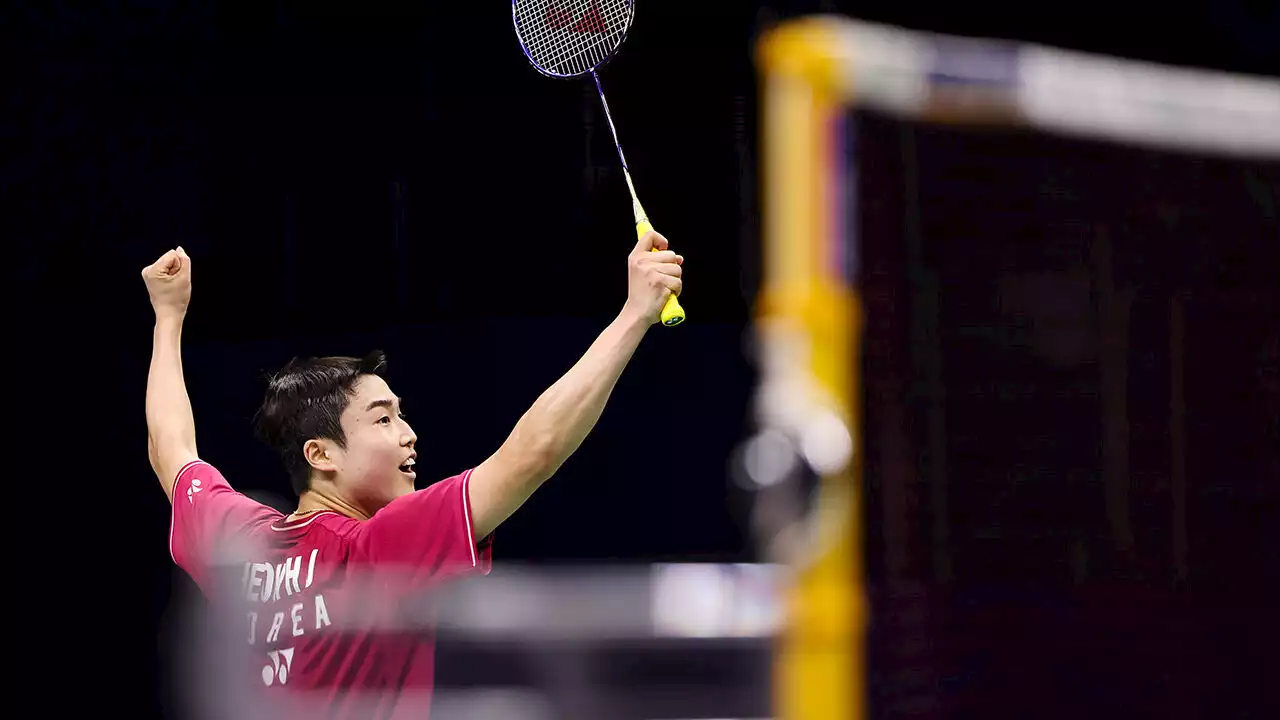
348	177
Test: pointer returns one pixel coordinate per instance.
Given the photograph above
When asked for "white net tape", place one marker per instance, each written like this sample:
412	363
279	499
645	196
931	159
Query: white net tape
915	74
571	37
505	643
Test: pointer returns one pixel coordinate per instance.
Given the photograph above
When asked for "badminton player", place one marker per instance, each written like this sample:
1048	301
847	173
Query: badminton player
316	590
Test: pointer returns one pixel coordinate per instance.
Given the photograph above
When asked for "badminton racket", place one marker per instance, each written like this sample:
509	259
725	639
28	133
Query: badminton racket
572	38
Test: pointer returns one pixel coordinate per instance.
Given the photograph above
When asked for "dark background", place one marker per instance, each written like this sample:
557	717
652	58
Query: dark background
395	175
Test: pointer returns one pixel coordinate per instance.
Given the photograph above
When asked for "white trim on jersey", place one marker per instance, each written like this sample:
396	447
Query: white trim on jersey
466	514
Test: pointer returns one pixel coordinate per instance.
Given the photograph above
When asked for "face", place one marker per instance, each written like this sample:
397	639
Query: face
376	466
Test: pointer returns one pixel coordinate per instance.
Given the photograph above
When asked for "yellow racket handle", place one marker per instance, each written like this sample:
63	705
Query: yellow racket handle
672	313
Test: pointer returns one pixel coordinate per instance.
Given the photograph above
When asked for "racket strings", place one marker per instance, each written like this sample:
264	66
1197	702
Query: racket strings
571	37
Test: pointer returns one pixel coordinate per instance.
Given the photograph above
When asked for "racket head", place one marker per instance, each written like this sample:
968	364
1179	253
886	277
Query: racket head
569	38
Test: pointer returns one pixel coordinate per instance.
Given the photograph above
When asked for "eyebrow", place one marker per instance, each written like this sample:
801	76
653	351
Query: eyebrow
387	403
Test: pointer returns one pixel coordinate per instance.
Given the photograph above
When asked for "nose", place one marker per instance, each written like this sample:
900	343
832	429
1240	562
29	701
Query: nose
410	437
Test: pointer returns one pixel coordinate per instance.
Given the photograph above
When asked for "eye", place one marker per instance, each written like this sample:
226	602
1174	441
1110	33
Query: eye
384	420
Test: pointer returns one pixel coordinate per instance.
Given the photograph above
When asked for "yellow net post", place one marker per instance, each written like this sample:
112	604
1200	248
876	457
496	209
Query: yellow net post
808	302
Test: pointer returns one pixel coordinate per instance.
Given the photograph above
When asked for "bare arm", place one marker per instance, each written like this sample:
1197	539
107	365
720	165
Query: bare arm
171	429
553	428
557	423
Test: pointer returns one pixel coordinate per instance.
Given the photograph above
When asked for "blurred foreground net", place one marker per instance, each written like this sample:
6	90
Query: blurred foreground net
1017	334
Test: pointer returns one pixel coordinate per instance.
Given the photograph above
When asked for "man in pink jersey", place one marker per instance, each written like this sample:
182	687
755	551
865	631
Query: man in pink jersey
328	600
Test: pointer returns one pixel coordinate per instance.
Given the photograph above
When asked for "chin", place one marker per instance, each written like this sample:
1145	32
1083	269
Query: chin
387	492
403	486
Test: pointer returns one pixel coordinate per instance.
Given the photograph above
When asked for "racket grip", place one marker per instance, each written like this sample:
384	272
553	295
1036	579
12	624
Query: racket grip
672	313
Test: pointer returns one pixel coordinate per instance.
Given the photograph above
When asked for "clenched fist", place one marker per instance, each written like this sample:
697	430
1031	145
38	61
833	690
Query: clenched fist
169	283
652	277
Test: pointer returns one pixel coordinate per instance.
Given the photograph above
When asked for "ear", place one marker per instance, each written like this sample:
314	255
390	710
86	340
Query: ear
319	454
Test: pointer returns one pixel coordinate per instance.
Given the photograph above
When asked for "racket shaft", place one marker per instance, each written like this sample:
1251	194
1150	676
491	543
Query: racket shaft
672	313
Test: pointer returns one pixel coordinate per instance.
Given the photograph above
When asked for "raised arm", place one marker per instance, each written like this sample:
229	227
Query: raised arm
557	423
171	429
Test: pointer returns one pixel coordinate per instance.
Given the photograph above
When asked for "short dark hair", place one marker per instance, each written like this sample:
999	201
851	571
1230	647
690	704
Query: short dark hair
305	400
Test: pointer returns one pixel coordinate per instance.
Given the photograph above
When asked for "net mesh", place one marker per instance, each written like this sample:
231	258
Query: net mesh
571	37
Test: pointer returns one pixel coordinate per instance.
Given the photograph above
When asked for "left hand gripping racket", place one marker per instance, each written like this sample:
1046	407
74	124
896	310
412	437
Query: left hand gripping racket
570	38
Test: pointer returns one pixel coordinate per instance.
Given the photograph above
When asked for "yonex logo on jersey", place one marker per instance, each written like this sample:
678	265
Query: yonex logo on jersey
278	670
191	491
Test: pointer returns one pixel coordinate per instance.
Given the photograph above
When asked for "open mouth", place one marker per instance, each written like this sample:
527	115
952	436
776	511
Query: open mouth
407	467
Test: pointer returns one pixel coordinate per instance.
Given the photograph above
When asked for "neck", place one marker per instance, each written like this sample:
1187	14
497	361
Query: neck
312	500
